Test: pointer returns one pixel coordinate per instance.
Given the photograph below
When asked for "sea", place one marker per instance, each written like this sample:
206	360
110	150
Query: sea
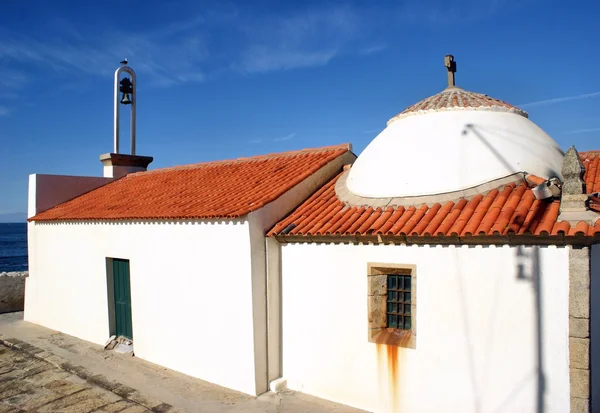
13	247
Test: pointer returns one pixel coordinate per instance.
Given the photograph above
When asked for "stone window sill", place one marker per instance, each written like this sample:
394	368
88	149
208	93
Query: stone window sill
394	337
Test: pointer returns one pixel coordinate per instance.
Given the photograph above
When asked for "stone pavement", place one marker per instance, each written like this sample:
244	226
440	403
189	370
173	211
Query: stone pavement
42	370
28	384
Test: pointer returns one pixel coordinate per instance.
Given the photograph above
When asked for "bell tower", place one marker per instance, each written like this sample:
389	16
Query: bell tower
117	164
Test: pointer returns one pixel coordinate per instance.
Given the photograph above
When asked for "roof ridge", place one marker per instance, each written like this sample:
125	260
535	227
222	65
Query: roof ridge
346	146
343	146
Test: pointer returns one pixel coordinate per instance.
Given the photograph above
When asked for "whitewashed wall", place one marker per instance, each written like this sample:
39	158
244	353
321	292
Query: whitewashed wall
191	292
476	346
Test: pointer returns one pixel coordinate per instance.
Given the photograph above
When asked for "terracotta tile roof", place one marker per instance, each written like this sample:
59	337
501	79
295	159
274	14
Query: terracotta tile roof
511	209
455	98
591	162
224	189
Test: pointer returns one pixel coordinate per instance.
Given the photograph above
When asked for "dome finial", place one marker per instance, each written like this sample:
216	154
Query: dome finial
451	66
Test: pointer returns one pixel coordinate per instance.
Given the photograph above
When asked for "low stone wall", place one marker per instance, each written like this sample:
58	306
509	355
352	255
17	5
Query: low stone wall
12	291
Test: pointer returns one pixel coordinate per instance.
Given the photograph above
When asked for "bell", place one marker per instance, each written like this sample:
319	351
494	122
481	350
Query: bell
126	99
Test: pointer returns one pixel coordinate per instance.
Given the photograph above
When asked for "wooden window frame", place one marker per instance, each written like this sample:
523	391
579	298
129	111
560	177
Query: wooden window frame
379	332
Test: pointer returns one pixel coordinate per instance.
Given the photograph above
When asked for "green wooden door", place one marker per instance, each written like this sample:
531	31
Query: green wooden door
122	298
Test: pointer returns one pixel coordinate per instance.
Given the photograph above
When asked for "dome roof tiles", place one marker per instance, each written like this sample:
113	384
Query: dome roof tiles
455	98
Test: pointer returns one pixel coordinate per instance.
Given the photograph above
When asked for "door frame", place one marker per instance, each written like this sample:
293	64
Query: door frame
110	292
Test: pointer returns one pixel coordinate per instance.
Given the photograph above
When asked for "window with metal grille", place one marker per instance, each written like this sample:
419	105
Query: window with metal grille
399	301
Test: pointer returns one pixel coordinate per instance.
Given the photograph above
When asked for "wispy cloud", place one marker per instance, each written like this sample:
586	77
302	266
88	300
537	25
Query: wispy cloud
167	55
302	39
4	111
371	131
11	80
443	13
375	48
285	138
280	139
574	131
560	100
188	51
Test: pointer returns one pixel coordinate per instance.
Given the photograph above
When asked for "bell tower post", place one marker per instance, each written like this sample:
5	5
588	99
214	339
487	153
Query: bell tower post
117	164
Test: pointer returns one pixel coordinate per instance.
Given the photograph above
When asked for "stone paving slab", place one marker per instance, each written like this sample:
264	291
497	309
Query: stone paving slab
140	386
28	384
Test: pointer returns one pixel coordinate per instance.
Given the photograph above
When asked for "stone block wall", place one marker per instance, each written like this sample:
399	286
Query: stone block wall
12	291
579	328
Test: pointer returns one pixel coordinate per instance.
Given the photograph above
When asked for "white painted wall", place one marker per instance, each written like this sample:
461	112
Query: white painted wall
475	348
497	144
47	191
191	291
199	297
266	310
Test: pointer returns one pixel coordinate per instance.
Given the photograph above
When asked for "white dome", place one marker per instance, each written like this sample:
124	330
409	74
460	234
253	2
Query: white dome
449	142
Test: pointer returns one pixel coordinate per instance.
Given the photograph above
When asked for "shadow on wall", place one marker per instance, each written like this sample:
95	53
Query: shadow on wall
527	270
12	291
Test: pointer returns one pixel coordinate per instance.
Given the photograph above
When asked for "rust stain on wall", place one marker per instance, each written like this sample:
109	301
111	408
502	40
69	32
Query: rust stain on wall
388	357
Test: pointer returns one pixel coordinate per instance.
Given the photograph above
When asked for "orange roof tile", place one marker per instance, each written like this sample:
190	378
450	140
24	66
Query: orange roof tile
591	162
511	209
224	189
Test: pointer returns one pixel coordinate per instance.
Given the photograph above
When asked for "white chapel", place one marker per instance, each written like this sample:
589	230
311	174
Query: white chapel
453	266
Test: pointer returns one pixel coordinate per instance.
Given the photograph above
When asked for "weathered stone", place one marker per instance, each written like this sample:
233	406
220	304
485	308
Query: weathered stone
117	406
12	291
41	400
573	203
21	398
376	310
15	387
135	409
580	405
46	377
374	331
103	382
579	352
65	387
579	282
84	406
162	408
63	402
579	266
579	327
572	172
55	360
580	383
579	302
123	391
377	284
143	400
37	368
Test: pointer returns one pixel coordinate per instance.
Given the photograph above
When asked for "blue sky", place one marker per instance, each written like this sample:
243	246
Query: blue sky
223	79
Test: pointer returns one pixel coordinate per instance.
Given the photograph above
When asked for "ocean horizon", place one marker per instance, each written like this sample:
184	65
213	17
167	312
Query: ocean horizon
13	247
